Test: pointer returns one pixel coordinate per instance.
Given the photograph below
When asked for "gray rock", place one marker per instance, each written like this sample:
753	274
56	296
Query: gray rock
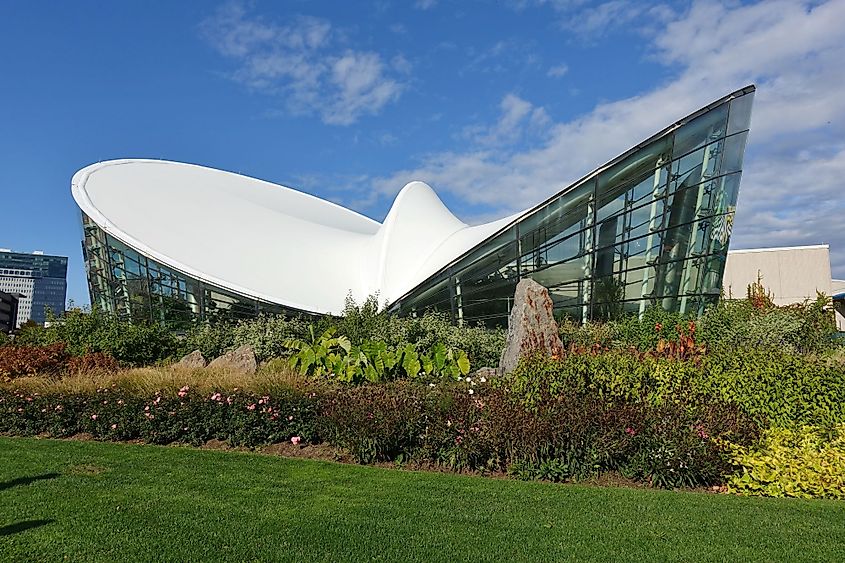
193	360
241	360
486	372
531	327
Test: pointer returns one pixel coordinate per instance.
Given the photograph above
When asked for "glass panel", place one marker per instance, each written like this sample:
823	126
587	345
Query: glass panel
700	131
556	220
554	252
631	171
734	149
608	293
740	113
561	273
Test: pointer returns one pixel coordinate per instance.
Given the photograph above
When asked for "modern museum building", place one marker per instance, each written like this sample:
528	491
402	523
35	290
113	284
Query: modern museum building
171	242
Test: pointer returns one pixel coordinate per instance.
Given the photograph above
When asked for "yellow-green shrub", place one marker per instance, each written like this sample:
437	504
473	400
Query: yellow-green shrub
807	463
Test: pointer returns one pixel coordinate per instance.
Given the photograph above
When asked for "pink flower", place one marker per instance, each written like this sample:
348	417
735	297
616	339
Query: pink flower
630	431
216	397
250	407
290	417
93	417
295	440
113	426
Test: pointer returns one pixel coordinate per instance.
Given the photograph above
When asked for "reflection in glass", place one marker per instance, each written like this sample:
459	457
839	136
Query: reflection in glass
651	228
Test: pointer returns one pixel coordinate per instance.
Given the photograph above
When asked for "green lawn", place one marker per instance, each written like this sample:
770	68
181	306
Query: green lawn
97	501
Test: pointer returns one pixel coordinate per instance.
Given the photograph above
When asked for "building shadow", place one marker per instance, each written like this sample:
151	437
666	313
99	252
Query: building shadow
19	527
27	480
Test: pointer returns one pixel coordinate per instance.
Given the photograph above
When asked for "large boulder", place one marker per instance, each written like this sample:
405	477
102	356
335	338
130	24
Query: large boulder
531	327
241	360
194	360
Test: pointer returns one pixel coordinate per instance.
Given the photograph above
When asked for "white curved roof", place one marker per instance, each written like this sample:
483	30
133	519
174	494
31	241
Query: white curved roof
270	242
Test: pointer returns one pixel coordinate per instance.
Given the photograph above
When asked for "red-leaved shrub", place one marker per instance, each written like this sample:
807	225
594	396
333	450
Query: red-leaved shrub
18	361
93	362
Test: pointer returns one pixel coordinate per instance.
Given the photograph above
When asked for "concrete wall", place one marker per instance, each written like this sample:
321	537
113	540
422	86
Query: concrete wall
791	274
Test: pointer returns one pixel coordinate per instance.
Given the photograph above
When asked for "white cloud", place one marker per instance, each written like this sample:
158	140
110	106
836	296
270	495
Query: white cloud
503	56
590	21
557	71
398	28
792	187
425	4
598	19
519	122
301	62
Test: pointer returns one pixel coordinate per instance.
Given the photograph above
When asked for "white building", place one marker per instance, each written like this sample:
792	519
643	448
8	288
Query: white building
792	274
23	283
172	242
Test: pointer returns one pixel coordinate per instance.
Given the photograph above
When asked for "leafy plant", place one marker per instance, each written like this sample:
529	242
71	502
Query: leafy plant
320	356
373	361
806	462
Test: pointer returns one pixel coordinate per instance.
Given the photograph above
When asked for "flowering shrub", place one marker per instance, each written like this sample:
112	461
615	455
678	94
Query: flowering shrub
466	425
565	436
374	423
683	445
241	419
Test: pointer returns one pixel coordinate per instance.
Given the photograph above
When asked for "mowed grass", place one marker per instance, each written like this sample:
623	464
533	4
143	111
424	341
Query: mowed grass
66	500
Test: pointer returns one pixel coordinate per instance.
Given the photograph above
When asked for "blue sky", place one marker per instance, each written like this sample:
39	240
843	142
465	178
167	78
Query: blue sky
495	104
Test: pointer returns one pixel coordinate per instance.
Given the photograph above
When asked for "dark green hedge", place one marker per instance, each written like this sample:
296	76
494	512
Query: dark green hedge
774	388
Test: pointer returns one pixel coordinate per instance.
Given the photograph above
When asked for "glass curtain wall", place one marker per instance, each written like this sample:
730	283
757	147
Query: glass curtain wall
125	282
649	228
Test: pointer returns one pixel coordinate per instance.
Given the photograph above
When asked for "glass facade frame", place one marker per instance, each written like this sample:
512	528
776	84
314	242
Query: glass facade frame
125	282
651	227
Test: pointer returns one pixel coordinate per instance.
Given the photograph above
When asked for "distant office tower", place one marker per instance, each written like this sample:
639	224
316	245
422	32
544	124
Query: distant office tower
39	278
8	311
